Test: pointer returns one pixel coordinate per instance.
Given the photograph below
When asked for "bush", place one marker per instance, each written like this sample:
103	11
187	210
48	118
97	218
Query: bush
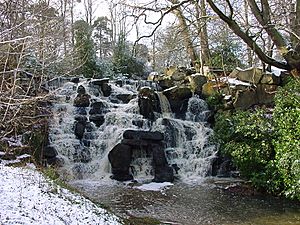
287	142
266	149
246	137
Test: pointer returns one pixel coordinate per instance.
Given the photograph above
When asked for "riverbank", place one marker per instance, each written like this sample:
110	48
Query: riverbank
27	197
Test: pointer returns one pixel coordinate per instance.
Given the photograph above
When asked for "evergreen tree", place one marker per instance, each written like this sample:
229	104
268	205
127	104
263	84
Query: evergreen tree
84	48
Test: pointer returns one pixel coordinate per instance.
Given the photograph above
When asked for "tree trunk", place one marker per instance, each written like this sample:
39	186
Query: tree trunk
185	33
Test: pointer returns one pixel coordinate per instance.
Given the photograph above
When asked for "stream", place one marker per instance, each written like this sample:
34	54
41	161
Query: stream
186	204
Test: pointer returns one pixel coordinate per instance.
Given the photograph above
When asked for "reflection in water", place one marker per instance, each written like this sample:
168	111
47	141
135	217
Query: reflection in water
198	204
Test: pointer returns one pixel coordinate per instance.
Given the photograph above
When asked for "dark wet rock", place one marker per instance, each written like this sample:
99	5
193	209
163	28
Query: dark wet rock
100	82
120	158
166	83
138	123
86	143
106	90
79	129
80	118
97	119
89	127
75	80
104	86
50	155
141	134
81	90
196	82
178	98
125	98
159	157
245	99
97	108
49	152
82	100
163	174
148	103
222	167
135	144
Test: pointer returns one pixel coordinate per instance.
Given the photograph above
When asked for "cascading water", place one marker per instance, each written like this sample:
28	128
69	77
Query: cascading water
164	105
187	141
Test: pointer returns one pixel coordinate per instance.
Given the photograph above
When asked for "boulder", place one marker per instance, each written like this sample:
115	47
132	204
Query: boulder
245	99
49	152
79	129
103	85
170	70
255	76
106	89
178	75
75	80
148	103
80	118
136	143
143	135
97	108
81	111
97	119
82	100
163	174
178	98
125	98
159	157
266	93
165	83
120	158
100	82
81	90
196	82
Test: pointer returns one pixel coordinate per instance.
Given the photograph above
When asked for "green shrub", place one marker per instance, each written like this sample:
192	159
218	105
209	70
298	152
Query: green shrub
246	137
287	142
266	149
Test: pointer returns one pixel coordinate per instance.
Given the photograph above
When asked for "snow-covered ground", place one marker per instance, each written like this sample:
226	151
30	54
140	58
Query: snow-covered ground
27	197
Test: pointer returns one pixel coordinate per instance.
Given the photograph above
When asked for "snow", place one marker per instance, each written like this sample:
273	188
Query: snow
27	197
234	81
276	71
154	186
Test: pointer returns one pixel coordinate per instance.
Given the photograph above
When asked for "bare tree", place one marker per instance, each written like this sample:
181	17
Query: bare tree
263	14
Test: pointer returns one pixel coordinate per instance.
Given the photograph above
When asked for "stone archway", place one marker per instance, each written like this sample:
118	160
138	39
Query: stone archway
120	156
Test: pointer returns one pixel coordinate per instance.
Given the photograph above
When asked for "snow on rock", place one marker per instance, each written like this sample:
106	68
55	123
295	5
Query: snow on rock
26	197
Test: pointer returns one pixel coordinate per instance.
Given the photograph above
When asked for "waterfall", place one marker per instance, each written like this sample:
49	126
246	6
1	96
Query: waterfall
187	141
164	105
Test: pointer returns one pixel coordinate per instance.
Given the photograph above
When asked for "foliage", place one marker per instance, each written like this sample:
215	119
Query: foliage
287	142
85	52
102	36
246	138
266	149
215	101
225	55
124	61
